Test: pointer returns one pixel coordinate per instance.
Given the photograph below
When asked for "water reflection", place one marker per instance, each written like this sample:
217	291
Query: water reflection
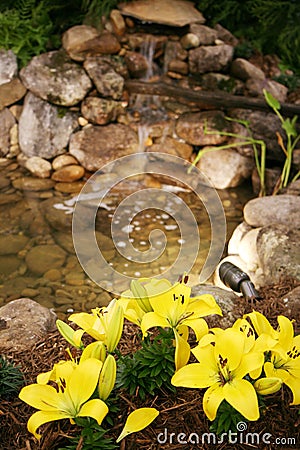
37	256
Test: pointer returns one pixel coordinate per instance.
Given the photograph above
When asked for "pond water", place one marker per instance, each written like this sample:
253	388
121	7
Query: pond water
37	256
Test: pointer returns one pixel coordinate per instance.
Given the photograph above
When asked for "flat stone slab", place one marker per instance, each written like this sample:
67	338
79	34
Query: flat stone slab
168	12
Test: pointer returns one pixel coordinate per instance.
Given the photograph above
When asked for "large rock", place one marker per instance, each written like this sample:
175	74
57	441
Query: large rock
82	41
100	111
7	121
95	146
23	323
192	127
225	168
264	127
291	302
279	209
107	81
227	300
54	77
243	69
168	12
278	248
11	92
255	87
172	146
8	66
211	58
137	64
42	258
236	237
206	35
42	131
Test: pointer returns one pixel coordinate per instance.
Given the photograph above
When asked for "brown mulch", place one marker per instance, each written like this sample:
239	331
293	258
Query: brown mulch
182	412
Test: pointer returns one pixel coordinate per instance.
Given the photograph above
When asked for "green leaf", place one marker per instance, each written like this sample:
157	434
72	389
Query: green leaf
272	101
289	127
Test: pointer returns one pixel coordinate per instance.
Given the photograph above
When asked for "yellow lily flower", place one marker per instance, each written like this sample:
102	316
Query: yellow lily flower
69	400
285	355
174	308
104	324
135	301
222	367
137	421
62	369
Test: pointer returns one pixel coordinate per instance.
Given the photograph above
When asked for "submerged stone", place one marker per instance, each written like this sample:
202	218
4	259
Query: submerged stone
42	258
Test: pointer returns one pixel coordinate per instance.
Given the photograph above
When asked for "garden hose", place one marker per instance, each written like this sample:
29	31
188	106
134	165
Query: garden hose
237	280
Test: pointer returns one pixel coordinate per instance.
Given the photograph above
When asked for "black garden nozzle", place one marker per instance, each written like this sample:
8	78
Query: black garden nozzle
237	280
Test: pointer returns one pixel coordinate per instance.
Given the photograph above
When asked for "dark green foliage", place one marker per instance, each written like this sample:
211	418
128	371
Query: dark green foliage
292	82
150	368
11	379
25	29
32	27
92	437
227	419
272	26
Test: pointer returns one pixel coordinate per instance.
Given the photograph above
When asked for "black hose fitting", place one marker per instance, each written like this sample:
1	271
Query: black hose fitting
237	280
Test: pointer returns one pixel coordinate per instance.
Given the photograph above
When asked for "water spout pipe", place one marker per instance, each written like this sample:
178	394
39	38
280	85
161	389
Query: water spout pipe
237	280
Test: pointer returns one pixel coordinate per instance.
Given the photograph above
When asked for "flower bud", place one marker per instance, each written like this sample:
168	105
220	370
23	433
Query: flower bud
266	386
107	377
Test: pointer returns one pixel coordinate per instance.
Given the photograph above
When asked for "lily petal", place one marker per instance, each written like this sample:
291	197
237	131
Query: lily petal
40	396
84	381
40	417
244	327
294	384
212	399
250	362
199	326
152	319
94	408
272	372
242	396
261	324
286	333
193	375
182	351
138	420
172	303
155	287
230	347
204	305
